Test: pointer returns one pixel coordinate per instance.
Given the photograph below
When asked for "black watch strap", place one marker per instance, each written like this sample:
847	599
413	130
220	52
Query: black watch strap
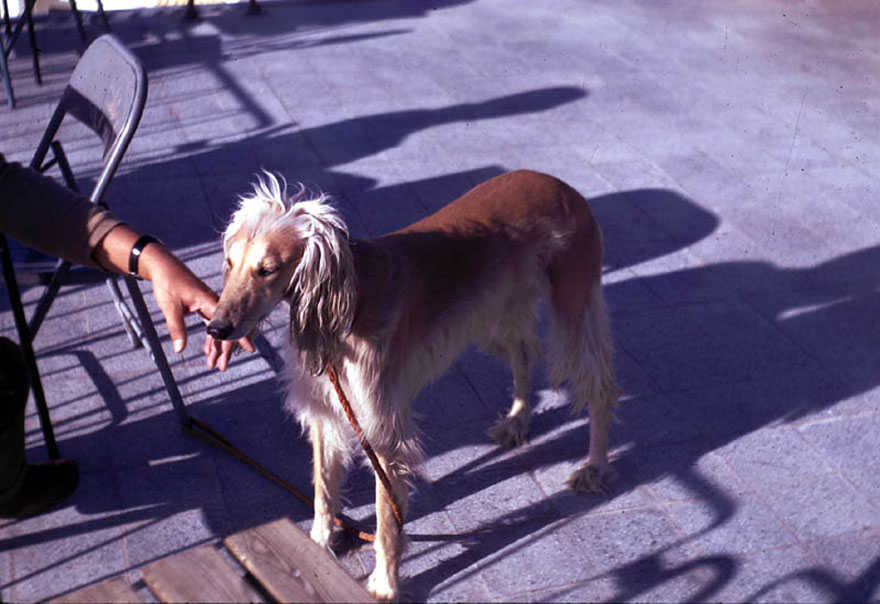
136	251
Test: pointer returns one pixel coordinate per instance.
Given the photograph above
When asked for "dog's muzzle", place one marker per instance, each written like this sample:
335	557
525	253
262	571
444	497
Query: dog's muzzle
219	330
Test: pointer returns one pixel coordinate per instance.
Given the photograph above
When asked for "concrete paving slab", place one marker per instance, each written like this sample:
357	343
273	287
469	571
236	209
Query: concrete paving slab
749	456
864	480
766	576
830	507
599	537
844	572
752	526
845	442
730	154
717	343
64	548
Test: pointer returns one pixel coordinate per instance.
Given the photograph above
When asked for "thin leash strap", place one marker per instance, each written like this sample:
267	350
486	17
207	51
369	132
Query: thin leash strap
380	472
203	431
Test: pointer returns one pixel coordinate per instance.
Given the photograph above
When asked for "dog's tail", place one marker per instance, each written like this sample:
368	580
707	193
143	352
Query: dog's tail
579	346
580	352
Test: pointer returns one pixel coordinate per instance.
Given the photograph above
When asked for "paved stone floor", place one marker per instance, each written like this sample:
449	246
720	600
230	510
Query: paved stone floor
731	153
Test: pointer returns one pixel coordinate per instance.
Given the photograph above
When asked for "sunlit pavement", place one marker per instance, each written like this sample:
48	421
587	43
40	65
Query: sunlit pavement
731	154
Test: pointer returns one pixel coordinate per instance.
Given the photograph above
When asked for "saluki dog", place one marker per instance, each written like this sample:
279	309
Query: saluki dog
392	313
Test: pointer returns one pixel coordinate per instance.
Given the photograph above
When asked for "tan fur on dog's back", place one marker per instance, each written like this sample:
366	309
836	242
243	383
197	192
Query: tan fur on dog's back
394	312
519	214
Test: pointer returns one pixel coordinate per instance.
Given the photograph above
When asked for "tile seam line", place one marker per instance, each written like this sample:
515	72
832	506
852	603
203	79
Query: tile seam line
837	470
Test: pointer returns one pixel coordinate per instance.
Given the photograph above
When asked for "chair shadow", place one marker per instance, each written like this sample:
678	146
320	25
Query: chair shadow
313	153
282	25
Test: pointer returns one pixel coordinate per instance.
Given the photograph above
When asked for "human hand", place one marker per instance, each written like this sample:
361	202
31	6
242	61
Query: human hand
218	352
179	292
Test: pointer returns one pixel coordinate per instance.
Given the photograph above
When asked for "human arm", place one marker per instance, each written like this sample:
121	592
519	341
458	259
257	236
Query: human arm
43	214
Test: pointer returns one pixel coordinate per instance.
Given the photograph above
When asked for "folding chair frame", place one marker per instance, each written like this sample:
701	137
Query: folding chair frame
13	33
138	325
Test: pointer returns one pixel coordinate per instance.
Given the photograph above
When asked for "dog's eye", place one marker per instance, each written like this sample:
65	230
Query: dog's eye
265	271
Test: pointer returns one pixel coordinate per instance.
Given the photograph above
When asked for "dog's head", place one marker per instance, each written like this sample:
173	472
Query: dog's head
295	248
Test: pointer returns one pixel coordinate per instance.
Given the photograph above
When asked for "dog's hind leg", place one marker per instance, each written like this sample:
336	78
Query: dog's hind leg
594	474
383	582
511	430
328	468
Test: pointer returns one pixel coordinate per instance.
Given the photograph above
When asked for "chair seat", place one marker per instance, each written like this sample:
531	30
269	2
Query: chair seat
33	267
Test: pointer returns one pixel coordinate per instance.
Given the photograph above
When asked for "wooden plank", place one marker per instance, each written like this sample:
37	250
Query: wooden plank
198	575
292	567
111	590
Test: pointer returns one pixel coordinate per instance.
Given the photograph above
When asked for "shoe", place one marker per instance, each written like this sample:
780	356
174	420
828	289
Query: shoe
39	487
25	489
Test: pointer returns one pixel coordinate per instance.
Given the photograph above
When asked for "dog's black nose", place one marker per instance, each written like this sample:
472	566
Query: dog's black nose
219	330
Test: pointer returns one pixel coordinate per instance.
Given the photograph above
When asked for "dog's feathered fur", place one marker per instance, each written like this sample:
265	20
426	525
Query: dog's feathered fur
392	313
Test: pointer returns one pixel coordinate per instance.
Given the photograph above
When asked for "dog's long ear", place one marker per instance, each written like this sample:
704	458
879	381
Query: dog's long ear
323	289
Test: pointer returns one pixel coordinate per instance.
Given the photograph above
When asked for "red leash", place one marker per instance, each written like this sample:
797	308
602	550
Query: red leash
380	472
203	431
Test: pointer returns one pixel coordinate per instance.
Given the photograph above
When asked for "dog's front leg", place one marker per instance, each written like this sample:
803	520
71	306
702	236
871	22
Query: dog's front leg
328	473
383	581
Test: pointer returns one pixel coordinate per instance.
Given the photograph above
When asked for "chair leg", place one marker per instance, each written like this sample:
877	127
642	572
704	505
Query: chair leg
191	13
129	321
26	345
103	15
155	347
6	20
32	37
4	75
79	22
49	294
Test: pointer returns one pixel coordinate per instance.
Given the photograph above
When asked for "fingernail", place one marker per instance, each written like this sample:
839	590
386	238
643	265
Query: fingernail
178	345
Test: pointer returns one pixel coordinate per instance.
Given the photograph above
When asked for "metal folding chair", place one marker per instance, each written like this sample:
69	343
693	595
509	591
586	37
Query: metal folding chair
12	34
107	92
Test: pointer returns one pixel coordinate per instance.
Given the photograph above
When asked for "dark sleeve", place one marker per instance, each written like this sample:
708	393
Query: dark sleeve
42	214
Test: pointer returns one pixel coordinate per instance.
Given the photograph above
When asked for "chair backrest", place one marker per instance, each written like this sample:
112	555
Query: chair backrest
107	93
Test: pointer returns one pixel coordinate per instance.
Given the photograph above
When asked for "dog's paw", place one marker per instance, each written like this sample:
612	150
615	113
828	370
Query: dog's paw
509	431
591	479
380	587
322	535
